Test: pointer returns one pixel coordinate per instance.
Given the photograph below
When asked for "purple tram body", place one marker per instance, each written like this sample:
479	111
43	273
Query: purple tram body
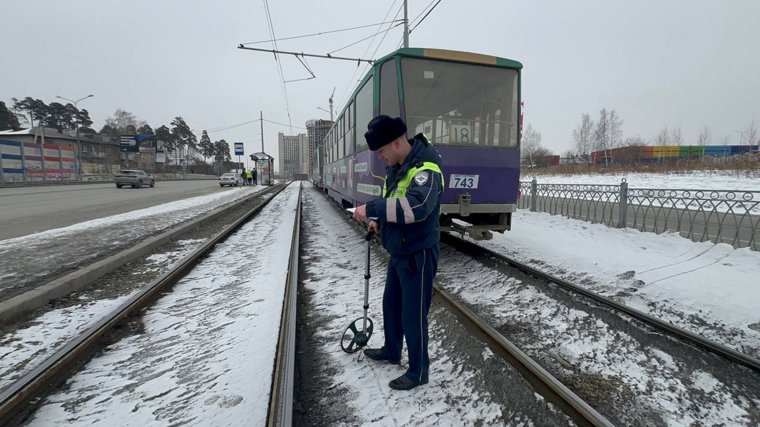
468	107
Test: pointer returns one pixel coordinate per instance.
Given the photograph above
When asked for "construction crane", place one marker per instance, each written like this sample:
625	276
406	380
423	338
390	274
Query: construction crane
331	104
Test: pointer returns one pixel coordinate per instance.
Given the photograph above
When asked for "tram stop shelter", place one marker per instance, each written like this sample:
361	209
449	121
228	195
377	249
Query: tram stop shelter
264	164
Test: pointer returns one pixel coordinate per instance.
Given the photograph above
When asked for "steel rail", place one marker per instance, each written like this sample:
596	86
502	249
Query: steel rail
281	395
583	409
662	325
14	398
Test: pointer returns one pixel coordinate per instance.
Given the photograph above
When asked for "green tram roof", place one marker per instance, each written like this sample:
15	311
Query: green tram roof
449	55
452	55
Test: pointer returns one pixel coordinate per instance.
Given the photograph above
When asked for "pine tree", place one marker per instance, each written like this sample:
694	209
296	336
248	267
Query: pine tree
206	146
8	119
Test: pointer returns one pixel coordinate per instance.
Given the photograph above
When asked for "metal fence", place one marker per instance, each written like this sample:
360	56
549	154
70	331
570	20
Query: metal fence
720	216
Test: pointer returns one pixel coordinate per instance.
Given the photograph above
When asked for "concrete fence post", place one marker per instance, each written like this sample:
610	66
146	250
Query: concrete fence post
533	194
623	204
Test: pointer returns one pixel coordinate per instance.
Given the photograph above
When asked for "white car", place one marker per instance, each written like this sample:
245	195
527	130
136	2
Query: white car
231	179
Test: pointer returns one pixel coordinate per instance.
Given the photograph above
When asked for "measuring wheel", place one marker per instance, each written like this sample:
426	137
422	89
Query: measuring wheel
354	339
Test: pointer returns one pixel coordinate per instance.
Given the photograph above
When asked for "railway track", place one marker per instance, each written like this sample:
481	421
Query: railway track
541	381
470	338
64	272
586	395
21	398
648	320
600	335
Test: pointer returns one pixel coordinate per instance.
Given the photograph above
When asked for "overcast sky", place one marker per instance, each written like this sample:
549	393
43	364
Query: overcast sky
678	63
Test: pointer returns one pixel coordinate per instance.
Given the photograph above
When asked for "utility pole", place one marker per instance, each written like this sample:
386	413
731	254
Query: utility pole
406	26
261	120
79	144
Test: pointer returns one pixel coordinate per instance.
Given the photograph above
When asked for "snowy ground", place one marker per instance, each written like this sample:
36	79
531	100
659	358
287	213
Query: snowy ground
204	355
701	286
707	288
703	180
460	390
36	256
627	373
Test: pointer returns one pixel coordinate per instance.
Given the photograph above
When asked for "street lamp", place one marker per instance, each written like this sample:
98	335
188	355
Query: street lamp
79	144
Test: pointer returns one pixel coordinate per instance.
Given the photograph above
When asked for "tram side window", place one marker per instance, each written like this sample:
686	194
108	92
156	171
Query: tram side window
389	103
332	146
341	151
334	143
350	129
364	113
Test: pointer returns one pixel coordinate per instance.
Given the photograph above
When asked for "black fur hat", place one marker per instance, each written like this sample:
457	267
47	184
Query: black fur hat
383	130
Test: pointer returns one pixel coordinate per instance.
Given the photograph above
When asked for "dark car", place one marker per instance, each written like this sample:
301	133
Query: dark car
133	177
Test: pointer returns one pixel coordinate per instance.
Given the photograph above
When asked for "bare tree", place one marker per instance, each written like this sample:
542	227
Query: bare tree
530	144
662	138
582	137
704	137
615	130
608	132
634	141
542	157
124	121
675	136
750	135
601	131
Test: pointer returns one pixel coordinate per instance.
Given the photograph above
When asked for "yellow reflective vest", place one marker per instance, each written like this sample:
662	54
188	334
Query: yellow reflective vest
403	184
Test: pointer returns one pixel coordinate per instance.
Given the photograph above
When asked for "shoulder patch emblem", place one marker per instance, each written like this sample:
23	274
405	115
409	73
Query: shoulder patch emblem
421	178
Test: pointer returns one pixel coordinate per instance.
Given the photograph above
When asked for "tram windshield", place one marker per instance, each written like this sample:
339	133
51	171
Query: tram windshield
461	104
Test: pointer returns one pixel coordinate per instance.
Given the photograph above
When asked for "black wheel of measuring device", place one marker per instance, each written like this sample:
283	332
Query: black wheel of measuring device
353	339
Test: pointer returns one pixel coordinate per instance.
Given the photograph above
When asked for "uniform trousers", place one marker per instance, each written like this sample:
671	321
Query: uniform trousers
406	302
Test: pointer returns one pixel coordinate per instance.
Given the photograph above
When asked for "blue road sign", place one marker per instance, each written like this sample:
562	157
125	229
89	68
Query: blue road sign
238	148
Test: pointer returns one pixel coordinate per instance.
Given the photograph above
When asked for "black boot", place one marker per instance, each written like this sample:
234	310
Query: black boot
404	383
379	354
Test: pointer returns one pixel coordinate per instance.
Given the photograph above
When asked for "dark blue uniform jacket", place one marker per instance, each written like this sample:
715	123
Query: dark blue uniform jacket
409	224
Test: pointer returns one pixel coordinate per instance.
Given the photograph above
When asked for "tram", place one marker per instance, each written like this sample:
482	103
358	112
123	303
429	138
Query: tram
466	104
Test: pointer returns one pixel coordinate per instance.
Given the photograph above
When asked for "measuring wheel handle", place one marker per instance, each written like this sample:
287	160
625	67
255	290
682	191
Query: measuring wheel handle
354	339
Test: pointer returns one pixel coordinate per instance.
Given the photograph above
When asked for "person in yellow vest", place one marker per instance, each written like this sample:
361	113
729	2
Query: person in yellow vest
407	219
249	177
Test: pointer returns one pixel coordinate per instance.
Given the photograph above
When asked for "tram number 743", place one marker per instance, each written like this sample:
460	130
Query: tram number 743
463	181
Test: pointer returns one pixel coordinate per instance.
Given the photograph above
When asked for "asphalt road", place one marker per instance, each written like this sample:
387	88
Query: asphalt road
27	210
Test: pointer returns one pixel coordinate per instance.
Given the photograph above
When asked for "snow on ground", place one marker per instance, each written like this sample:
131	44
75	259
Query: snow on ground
701	180
455	394
23	349
667	275
167	374
91	239
205	354
597	354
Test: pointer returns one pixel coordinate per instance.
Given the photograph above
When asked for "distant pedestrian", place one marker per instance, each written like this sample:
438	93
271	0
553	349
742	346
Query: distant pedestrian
249	177
254	177
242	176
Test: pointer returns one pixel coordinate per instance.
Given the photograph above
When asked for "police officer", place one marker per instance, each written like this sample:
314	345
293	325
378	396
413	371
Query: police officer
407	219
